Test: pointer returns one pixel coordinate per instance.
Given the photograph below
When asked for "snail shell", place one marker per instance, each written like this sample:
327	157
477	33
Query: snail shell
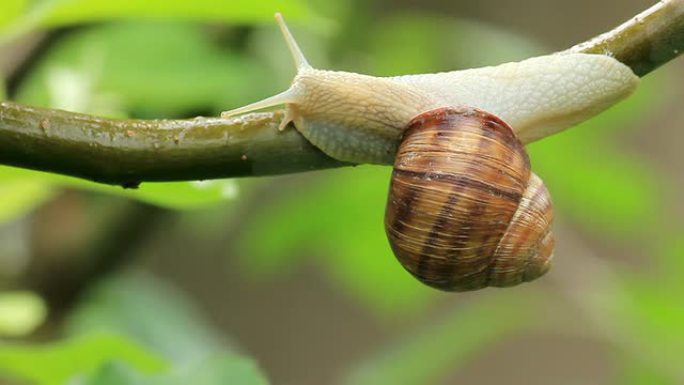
464	210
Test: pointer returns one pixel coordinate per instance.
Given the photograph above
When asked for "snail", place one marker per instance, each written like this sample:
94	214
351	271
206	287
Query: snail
458	140
464	210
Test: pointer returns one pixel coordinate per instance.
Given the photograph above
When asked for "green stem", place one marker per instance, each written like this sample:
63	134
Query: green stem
645	42
127	152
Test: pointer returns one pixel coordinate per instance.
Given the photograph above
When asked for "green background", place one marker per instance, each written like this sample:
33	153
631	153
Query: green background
290	280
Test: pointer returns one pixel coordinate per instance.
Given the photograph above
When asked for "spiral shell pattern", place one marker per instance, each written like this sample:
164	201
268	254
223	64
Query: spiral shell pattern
464	210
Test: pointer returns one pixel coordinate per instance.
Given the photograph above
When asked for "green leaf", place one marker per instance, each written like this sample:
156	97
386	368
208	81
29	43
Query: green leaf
21	195
339	220
59	13
657	315
604	189
224	369
57	363
117	373
217	370
124	304
173	195
650	309
443	346
26	189
156	69
446	44
199	353
67	12
20	313
11	9
650	316
672	259
636	372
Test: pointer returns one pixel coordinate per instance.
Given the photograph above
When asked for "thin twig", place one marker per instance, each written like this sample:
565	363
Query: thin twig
127	152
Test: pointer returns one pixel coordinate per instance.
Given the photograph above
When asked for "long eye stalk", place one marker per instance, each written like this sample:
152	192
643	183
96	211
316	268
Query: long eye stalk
295	51
288	96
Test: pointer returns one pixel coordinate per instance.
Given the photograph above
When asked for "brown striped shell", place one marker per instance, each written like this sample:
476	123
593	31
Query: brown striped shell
464	210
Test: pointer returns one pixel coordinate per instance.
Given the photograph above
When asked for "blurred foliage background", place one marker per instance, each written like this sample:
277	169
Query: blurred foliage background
290	280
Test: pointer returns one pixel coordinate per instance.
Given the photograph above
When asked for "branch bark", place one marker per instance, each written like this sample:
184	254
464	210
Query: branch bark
128	152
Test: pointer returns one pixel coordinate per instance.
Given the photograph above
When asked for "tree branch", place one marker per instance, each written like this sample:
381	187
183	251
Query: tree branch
127	152
645	42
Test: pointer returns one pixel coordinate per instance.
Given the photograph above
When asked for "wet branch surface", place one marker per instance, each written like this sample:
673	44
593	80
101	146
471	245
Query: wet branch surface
128	152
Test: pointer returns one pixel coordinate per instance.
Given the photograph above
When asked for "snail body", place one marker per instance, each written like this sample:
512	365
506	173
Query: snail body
359	118
464	211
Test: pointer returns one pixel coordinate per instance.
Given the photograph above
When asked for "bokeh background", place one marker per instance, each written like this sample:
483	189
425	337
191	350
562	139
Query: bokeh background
290	280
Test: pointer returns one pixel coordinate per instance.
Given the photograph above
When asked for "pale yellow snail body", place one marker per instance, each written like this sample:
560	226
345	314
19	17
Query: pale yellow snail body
361	119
